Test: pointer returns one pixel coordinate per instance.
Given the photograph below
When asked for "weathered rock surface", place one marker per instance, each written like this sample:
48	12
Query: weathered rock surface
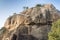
31	24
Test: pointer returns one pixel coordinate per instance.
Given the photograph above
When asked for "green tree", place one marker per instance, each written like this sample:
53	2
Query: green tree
54	34
25	8
38	5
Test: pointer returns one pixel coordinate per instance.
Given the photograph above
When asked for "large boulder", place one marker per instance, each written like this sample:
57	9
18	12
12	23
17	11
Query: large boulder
31	24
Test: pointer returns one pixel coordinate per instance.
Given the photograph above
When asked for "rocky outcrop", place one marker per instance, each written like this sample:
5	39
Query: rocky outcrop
31	24
16	20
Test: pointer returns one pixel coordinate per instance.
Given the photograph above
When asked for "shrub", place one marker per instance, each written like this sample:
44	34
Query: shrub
54	34
2	30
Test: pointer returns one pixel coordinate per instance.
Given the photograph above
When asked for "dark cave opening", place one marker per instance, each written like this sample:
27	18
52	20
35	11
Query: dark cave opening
26	37
14	37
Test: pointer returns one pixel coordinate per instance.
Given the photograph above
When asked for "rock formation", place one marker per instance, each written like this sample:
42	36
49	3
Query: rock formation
31	24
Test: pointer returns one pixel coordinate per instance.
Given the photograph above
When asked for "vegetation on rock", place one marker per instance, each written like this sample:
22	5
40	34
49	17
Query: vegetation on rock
25	8
38	5
2	30
54	34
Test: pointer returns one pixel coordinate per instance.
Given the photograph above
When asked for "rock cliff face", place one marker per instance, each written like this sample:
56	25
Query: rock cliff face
31	24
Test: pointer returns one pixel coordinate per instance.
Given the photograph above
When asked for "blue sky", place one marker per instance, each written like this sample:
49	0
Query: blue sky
8	7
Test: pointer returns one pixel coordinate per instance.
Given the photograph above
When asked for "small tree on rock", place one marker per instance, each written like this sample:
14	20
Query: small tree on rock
38	5
25	8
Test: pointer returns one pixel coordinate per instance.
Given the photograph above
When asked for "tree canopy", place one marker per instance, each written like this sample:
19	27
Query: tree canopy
38	5
25	8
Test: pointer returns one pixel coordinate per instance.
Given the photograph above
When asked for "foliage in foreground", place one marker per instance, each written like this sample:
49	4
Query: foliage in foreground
54	34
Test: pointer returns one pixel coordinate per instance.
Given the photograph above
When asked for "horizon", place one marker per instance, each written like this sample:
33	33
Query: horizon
8	7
